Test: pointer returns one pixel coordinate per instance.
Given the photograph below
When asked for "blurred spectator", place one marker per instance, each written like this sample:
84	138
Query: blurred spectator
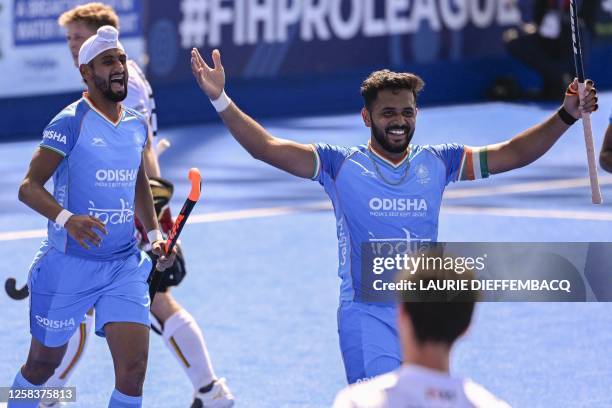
545	45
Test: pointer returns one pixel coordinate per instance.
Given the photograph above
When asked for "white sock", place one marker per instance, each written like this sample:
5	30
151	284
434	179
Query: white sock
20	383
184	338
74	352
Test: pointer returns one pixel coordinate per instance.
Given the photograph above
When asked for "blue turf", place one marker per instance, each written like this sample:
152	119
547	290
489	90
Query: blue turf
265	289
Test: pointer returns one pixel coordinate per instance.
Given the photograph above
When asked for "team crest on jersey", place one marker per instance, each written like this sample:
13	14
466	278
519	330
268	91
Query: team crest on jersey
53	135
422	174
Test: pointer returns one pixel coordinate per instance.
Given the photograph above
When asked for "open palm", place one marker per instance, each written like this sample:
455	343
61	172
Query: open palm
211	80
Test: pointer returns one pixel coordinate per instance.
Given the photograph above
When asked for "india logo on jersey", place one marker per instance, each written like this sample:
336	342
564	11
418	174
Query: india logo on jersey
390	246
113	216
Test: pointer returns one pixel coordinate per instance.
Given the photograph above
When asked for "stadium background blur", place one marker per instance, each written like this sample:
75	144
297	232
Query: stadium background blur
283	57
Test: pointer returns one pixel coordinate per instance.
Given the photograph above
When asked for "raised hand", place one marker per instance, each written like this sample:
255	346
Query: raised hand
81	228
210	80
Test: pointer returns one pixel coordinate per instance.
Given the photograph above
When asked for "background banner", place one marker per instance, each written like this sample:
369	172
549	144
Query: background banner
34	57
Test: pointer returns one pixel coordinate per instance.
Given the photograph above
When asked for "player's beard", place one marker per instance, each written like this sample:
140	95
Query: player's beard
381	137
104	86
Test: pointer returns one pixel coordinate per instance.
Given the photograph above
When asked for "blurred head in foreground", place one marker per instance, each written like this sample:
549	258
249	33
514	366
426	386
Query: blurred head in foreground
434	315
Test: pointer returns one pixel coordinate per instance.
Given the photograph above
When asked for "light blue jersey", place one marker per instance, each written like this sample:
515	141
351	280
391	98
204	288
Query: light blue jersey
97	176
379	203
387	208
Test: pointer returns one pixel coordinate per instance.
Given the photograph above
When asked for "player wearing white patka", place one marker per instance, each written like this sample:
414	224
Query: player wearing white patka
178	328
428	328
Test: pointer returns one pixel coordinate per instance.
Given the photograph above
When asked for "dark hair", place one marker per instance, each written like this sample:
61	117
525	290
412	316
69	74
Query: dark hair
93	15
385	79
440	315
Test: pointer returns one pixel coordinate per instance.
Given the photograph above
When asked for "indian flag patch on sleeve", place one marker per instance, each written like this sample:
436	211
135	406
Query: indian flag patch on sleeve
474	164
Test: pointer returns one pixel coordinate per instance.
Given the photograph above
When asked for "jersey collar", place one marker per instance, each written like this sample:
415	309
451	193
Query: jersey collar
378	155
99	112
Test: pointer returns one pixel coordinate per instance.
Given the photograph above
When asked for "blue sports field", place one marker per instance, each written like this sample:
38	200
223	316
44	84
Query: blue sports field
261	255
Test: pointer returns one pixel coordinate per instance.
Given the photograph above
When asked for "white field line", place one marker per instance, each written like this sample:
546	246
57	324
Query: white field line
460	193
528	212
525	187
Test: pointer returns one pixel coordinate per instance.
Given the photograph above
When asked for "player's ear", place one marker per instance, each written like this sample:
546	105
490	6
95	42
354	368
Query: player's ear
365	114
85	71
404	324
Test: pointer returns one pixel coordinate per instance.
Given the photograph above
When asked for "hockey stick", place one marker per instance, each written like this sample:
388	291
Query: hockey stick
586	117
11	289
179	223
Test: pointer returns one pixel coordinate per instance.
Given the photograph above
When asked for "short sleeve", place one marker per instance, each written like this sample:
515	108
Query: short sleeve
329	159
462	162
61	134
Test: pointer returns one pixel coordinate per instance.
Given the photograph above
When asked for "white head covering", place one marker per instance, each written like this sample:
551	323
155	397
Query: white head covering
107	38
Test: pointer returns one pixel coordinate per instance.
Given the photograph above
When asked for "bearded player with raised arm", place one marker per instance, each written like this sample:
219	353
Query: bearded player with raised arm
389	169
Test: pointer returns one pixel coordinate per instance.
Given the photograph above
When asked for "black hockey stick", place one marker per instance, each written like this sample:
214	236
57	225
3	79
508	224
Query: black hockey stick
11	289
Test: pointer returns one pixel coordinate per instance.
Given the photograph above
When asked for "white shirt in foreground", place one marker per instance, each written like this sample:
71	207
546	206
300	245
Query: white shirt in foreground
417	387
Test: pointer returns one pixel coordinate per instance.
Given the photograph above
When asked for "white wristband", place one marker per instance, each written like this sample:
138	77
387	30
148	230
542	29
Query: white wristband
154	235
222	102
62	217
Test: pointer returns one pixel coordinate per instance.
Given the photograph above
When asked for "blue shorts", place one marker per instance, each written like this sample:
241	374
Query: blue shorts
368	340
64	287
